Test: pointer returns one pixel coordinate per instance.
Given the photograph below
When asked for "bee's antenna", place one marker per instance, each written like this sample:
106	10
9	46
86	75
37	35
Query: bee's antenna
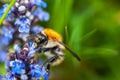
71	51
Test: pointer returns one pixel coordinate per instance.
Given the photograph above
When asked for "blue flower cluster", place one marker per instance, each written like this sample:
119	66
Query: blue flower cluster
21	66
19	22
18	25
5	37
43	15
24	24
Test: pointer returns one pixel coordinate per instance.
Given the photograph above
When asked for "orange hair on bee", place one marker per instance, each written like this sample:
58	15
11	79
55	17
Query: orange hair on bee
52	34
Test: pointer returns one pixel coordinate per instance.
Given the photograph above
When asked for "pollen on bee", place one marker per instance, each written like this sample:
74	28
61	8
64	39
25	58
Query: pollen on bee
53	34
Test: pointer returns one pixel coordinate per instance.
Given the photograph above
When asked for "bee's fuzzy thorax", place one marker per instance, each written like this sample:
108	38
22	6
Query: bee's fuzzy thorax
52	34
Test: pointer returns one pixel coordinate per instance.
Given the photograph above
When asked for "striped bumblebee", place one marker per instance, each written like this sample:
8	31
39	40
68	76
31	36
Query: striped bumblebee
50	42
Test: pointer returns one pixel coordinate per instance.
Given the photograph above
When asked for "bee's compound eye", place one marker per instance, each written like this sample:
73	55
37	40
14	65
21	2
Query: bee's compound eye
44	39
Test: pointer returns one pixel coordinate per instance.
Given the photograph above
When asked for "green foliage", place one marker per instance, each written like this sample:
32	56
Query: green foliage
93	33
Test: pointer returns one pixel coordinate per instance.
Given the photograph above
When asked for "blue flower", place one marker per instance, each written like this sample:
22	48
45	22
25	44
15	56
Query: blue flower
7	63
10	18
2	77
10	76
24	24
8	32
17	48
17	70
37	29
22	35
6	36
32	50
31	43
24	28
37	71
3	54
17	66
39	3
3	9
42	15
24	77
4	41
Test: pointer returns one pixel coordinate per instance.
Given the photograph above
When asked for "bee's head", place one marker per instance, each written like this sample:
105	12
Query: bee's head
41	39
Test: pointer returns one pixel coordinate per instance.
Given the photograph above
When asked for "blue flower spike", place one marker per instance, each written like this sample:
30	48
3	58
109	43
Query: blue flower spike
24	68
21	64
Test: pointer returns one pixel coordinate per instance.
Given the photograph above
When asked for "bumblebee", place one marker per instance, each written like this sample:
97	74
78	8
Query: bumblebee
50	42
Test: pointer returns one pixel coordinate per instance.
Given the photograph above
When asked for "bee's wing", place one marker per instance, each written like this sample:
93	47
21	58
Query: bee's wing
71	51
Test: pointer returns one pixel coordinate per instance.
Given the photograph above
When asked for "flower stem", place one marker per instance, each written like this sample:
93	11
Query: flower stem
7	10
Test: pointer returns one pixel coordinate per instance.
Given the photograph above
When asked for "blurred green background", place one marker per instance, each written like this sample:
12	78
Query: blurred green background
91	28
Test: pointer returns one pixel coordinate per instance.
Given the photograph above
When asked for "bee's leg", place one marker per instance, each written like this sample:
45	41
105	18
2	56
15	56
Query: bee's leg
48	67
52	59
39	50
